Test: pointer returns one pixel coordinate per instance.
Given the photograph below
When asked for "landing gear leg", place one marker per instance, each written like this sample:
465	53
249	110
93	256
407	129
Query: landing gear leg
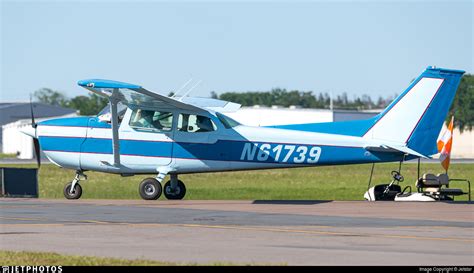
368	195
73	190
174	189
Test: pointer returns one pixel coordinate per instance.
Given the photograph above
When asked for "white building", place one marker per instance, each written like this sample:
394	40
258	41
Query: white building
15	142
14	111
276	115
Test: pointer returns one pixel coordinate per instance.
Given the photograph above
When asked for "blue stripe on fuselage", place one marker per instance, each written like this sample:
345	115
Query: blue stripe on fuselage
222	150
91	122
347	128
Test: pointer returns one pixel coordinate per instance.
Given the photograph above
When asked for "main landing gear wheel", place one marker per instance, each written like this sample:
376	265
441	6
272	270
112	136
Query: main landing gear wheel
178	193
75	193
150	189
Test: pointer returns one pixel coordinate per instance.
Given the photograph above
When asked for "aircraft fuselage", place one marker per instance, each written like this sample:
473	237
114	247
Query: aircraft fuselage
85	143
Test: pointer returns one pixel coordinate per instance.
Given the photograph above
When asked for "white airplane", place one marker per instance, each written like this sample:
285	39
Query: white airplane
142	132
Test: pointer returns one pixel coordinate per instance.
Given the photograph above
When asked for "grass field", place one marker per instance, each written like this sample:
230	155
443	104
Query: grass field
315	183
50	258
3	156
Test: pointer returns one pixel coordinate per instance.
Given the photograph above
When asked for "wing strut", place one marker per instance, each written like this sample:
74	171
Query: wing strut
113	100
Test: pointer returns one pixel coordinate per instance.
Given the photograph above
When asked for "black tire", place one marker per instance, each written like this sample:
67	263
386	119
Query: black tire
150	189
76	194
180	191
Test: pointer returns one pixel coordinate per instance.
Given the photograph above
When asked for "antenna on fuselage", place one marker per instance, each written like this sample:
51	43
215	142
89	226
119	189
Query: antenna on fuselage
331	106
189	91
181	88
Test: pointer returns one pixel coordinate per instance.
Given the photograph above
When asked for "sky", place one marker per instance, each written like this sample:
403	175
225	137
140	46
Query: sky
357	47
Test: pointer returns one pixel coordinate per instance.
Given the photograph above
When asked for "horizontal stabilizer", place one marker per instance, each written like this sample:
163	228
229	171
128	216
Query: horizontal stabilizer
394	148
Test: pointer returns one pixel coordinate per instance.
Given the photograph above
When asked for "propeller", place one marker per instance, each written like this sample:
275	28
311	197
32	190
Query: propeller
35	138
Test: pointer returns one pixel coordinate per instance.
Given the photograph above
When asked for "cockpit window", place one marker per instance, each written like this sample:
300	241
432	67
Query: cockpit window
105	115
228	122
150	119
195	124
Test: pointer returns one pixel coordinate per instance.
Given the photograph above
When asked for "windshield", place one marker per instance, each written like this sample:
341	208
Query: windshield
106	110
228	122
104	114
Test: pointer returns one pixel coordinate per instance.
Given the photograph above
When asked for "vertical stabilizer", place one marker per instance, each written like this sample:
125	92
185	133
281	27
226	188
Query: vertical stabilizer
415	118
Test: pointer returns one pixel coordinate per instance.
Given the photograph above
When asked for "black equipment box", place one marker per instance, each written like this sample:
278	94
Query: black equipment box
18	182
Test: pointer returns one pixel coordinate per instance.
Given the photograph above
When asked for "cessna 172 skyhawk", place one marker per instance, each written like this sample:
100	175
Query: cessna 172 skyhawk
142	132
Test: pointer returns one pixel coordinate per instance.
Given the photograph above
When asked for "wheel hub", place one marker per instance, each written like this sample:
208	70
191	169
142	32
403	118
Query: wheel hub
149	189
170	191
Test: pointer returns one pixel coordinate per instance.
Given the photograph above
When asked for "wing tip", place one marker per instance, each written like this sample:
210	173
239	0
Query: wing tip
101	83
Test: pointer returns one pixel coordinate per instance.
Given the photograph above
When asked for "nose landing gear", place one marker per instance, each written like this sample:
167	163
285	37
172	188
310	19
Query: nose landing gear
73	190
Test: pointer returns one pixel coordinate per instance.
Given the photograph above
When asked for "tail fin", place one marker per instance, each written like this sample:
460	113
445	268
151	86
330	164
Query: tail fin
415	118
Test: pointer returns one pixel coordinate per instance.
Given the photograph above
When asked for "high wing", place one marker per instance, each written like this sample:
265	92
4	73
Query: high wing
136	96
211	104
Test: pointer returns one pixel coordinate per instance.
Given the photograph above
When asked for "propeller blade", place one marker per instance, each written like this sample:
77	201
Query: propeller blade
35	139
37	151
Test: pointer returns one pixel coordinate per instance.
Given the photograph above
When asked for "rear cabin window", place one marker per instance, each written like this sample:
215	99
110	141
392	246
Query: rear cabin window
195	124
228	122
152	120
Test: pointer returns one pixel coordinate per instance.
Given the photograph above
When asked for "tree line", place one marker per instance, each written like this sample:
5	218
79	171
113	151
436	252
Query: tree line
86	105
462	107
304	99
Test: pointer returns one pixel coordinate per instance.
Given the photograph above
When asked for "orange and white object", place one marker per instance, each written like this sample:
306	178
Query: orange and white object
445	142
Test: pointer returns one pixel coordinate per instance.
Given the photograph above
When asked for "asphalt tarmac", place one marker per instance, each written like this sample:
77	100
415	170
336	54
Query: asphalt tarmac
244	232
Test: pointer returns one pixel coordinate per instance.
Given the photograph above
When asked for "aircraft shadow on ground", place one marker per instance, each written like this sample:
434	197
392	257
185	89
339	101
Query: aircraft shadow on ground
290	202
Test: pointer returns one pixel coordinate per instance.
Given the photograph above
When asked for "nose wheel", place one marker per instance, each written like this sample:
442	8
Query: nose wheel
150	189
73	190
74	193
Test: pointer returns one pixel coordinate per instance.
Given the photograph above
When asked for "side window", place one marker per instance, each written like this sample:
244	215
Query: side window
195	123
150	119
